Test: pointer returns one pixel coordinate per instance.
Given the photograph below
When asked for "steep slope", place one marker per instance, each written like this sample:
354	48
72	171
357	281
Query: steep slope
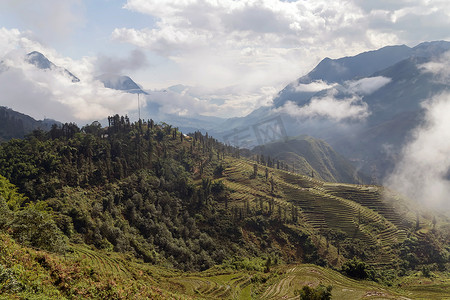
16	125
369	222
386	88
312	156
359	66
396	109
41	62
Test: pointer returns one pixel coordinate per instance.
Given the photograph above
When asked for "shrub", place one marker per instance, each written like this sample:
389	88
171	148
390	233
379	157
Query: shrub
34	227
358	269
426	271
8	281
217	187
321	292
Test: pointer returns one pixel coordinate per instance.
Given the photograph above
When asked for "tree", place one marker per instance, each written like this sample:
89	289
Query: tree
272	185
219	170
417	220
268	265
94	128
255	170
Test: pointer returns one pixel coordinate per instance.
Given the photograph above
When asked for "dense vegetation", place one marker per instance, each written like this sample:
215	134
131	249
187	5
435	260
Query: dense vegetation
141	188
151	193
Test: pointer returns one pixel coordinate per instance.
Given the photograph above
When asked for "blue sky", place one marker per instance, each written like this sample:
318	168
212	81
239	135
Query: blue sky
89	28
241	52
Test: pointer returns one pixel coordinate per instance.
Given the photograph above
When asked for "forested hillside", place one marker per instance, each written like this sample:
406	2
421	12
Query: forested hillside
136	195
16	125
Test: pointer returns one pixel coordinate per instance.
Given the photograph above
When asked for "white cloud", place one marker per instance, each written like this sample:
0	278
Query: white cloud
191	101
407	21
248	43
255	43
423	173
44	93
13	39
440	67
352	107
367	86
329	107
115	65
315	86
238	24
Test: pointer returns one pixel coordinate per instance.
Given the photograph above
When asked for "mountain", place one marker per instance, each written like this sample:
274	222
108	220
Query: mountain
389	85
40	61
121	83
16	125
366	64
310	156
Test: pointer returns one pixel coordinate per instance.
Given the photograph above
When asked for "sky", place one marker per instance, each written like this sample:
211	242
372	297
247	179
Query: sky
230	57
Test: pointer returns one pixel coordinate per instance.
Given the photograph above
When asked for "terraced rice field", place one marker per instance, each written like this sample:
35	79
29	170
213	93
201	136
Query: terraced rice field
288	279
233	285
371	197
360	212
343	288
102	263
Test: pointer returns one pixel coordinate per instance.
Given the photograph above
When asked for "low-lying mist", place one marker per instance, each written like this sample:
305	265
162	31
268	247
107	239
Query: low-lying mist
423	170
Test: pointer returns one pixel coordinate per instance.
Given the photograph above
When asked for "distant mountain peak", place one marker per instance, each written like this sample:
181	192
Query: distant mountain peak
41	62
121	83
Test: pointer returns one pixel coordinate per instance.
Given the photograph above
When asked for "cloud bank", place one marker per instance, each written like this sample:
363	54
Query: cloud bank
192	101
45	93
329	107
439	67
315	86
247	37
245	47
115	65
351	107
367	86
423	173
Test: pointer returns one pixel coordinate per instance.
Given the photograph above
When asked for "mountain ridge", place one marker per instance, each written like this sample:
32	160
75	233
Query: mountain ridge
393	108
14	124
307	155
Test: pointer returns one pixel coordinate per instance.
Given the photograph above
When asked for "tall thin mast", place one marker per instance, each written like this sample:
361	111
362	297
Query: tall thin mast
139	108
